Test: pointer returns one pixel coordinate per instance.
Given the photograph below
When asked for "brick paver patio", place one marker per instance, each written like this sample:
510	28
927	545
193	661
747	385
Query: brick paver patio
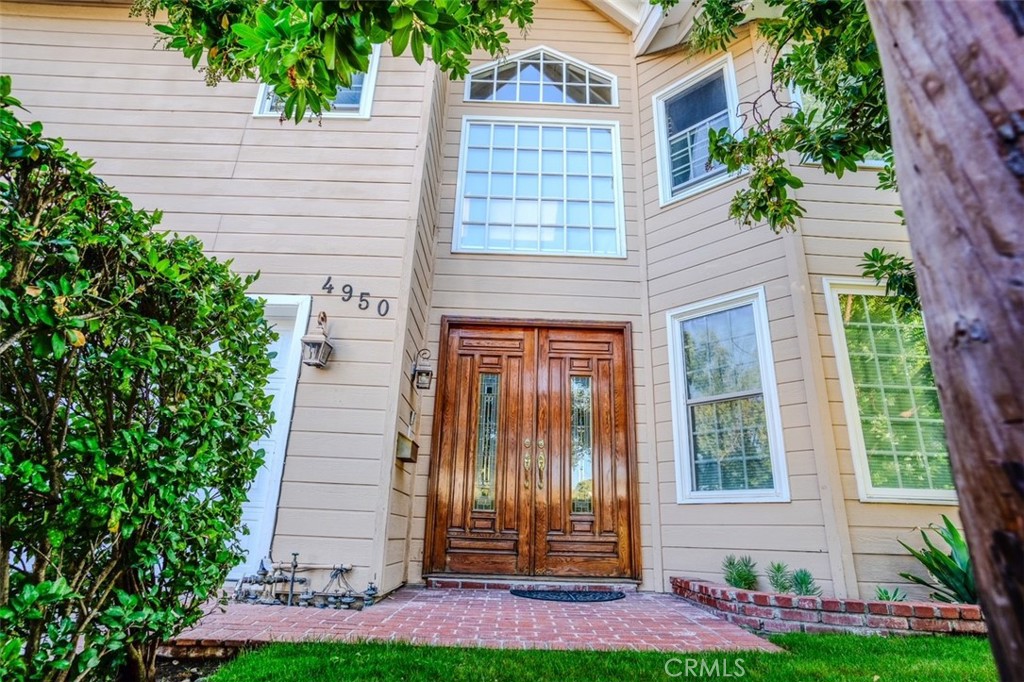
487	618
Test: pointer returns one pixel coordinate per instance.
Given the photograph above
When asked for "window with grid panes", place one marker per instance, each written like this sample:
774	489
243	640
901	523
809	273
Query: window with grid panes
689	115
684	113
885	367
533	187
725	403
541	76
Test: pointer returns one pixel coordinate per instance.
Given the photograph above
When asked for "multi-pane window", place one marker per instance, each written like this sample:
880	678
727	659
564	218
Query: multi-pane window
539	188
684	116
725	408
353	101
896	428
541	76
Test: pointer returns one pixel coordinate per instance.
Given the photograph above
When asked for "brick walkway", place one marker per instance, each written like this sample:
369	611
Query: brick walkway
487	618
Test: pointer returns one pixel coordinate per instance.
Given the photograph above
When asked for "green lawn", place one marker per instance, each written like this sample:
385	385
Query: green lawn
808	658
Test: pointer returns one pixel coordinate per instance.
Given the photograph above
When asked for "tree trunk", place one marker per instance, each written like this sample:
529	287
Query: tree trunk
954	74
140	665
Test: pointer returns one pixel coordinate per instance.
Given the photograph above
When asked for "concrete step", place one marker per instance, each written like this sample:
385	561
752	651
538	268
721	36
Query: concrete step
487	582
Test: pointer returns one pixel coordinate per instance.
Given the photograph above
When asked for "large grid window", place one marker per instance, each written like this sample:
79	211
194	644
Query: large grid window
540	188
541	76
354	101
684	115
896	427
725	406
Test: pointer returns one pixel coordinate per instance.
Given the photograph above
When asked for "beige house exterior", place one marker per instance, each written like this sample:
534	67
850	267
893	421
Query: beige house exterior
379	200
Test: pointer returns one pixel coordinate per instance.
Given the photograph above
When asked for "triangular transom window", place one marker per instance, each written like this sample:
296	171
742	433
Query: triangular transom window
543	76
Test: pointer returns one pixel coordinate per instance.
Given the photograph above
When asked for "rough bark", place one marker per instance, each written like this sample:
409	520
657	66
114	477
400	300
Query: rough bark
954	74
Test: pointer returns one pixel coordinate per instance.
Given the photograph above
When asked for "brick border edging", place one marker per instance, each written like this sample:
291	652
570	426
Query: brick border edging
765	612
194	649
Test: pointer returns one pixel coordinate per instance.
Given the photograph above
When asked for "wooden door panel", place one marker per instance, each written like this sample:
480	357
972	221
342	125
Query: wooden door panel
550	512
482	522
581	412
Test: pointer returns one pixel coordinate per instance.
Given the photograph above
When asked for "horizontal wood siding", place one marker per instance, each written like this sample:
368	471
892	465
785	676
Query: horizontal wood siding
298	203
845	218
421	276
696	252
544	287
371	203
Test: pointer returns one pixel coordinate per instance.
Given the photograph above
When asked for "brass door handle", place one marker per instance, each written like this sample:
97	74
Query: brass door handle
526	463
540	465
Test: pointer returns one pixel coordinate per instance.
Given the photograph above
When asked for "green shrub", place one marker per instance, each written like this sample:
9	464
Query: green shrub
785	581
952	572
780	577
804	583
132	375
885	594
740	573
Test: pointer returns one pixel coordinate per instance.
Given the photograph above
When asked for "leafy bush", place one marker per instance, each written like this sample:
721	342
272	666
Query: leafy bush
132	374
804	583
740	573
780	577
952	573
885	594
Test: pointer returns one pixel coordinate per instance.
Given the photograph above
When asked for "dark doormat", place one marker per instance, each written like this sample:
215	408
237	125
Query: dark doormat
569	595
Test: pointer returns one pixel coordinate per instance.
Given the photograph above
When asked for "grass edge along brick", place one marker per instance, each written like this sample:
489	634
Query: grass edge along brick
807	658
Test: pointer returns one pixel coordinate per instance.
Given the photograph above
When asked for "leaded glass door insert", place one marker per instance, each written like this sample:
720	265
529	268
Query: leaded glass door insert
486	442
534	472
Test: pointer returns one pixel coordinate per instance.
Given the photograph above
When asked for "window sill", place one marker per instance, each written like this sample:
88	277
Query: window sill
701	187
933	498
342	115
533	254
736	499
863	165
555	105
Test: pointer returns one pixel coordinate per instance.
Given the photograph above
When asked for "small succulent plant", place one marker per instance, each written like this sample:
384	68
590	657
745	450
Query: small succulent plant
740	573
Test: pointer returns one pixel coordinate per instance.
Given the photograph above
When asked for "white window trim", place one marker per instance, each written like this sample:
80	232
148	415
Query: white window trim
865	489
365	97
680	414
666	198
617	188
526	54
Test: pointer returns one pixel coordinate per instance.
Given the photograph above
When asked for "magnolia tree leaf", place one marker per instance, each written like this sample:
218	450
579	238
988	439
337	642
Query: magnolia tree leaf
290	44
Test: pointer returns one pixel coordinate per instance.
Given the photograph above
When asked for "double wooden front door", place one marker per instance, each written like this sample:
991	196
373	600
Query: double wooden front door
534	470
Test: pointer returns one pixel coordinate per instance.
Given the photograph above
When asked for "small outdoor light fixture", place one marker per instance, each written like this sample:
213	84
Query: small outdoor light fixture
316	348
422	371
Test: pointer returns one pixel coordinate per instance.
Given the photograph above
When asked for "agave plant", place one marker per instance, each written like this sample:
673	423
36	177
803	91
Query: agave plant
741	573
804	583
952	573
780	577
885	594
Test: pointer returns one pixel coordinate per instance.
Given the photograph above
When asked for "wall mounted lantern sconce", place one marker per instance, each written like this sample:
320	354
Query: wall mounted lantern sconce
422	371
316	348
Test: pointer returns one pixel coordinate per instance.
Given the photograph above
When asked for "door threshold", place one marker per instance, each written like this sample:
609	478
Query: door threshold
491	582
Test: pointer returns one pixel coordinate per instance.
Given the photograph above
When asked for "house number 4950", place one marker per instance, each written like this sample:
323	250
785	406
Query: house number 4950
362	298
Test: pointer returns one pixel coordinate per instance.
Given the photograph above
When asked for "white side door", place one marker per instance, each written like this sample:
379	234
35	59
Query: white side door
289	316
